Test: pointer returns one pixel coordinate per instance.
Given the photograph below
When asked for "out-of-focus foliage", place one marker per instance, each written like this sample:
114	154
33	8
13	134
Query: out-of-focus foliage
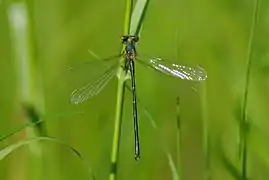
212	33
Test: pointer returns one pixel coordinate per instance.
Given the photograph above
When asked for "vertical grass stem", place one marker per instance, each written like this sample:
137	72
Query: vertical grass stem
120	98
117	127
23	46
243	134
178	139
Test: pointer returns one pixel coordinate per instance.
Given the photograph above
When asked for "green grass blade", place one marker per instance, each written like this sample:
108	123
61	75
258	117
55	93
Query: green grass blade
175	173
259	144
120	100
226	162
203	96
117	130
128	20
179	168
243	140
25	65
31	123
11	148
23	44
128	14
234	172
138	16
172	165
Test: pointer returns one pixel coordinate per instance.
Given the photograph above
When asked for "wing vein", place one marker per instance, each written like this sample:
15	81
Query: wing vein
79	95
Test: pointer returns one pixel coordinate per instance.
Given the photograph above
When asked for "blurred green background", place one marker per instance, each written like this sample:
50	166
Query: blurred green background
212	33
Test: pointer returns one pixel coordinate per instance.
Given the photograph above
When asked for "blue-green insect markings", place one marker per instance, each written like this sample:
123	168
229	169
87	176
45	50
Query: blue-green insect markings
130	55
109	68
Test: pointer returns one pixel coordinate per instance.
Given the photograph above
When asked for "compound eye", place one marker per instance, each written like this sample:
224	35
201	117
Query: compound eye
124	38
135	38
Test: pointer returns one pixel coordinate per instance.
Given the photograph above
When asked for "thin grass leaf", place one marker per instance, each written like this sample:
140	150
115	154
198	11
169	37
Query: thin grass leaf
243	125
179	168
11	148
243	139
30	123
26	65
93	54
19	27
117	130
128	16
29	86
172	166
138	16
154	125
120	100
259	144
234	172
206	140
225	161
120	95
178	116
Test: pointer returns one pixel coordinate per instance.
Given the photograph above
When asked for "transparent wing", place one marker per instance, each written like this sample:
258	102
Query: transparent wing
91	77
169	68
80	95
94	67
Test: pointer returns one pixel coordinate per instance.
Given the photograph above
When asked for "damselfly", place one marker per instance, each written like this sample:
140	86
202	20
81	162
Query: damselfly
90	89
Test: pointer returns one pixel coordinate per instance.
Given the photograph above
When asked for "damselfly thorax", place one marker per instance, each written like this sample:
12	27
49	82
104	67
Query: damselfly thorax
130	50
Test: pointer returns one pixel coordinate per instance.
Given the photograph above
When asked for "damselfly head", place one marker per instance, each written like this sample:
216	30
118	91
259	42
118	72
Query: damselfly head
129	39
135	38
124	39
